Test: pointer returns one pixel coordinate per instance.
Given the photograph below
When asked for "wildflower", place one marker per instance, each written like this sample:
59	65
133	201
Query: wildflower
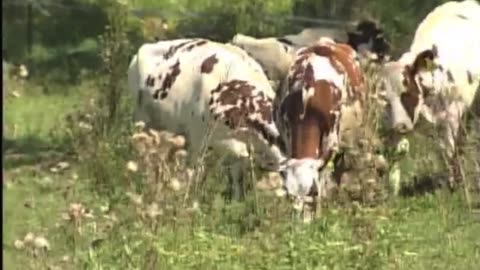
29	237
140	125
19	244
280	192
41	243
132	166
153	211
174	184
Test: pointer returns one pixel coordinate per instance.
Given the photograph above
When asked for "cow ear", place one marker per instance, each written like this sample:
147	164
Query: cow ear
426	60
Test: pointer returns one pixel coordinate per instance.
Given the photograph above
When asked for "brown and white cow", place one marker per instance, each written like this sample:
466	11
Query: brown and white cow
324	81
439	76
197	87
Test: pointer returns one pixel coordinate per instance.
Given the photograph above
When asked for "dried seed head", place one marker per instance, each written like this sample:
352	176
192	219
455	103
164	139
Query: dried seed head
177	141
181	154
153	211
140	125
155	135
140	136
78	211
135	198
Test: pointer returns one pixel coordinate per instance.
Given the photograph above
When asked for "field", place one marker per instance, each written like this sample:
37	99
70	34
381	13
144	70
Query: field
79	193
118	230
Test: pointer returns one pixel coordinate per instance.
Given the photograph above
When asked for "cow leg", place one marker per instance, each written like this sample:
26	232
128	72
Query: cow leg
237	173
453	122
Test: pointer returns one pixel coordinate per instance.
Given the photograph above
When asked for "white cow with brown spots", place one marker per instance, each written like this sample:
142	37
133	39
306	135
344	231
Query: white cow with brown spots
439	76
197	87
324	82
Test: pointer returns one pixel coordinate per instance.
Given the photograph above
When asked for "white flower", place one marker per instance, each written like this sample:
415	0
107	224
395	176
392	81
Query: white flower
41	242
63	165
19	244
153	210
85	126
132	166
23	71
280	192
298	204
195	205
140	125
174	184
29	237
403	146
15	94
135	198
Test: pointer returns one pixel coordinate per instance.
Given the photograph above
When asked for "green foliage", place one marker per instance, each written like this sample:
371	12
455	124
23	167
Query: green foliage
220	21
66	48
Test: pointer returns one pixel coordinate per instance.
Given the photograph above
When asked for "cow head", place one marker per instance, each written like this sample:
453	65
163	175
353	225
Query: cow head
368	38
405	86
301	176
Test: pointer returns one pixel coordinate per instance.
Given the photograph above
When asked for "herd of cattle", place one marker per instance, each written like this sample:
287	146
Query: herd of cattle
289	97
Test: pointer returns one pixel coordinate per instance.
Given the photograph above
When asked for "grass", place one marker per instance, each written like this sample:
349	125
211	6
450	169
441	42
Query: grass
434	231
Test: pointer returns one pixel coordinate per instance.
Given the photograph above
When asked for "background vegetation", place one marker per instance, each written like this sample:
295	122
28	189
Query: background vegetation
71	201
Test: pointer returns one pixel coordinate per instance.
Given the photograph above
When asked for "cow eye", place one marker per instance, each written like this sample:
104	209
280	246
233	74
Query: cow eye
283	174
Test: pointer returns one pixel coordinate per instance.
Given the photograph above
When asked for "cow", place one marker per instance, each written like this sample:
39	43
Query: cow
196	87
275	54
323	83
439	76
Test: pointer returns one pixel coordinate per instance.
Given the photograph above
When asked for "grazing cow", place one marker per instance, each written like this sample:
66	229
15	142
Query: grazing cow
275	55
324	81
196	87
439	76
